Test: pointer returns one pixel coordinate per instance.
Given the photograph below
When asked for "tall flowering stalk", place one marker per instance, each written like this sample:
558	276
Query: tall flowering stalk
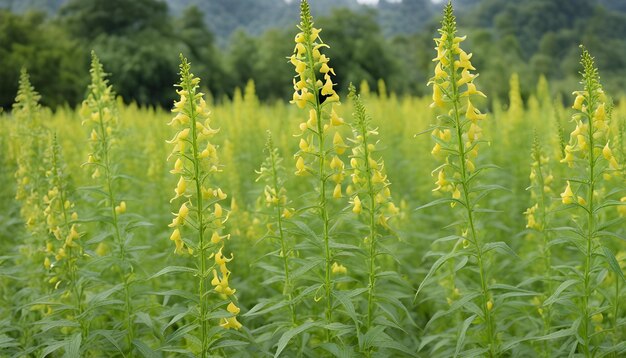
589	151
318	154
31	136
200	213
275	196
64	236
99	113
30	179
371	196
457	140
538	220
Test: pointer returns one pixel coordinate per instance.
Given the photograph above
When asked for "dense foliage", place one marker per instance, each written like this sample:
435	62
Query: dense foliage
234	41
362	225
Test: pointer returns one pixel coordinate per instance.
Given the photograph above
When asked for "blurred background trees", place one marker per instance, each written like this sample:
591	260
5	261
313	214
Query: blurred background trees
230	42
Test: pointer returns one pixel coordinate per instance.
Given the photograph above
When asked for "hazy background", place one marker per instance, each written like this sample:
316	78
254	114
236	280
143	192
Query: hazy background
232	41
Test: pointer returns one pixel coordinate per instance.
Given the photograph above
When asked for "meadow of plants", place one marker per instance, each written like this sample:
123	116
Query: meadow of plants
364	224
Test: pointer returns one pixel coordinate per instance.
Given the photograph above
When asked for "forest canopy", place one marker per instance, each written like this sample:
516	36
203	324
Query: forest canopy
231	42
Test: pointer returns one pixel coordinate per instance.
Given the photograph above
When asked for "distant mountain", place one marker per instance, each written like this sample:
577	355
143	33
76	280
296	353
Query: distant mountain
254	16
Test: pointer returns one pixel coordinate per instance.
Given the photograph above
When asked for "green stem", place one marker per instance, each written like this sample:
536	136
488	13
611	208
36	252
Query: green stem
372	233
287	287
71	260
547	255
200	219
590	225
122	245
469	208
328	284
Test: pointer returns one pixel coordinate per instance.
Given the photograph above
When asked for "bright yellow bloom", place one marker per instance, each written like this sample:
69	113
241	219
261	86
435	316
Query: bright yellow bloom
606	152
338	144
230	322
567	196
337	191
120	209
339	269
232	308
301	168
578	102
441	180
357	205
180	188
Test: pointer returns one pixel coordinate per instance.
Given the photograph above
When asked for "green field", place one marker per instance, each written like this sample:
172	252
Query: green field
345	222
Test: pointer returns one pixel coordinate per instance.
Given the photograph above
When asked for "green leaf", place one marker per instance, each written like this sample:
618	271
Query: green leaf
562	287
145	350
288	335
610	258
555	335
346	302
258	309
72	349
173	269
434	268
500	247
7	342
436	202
461	340
53	347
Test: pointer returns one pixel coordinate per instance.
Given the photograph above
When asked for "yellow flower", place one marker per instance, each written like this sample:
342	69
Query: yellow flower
120	209
600	114
569	156
436	149
327	89
336	163
472	113
578	102
220	259
218	211
221	284
232	308
335	120
606	152
301	168
339	144
437	97
180	188
230	322
441	180
337	191
357	205
339	269
466	77
471	90
567	196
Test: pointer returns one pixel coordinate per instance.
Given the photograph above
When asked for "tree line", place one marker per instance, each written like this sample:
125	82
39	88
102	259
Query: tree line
140	41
